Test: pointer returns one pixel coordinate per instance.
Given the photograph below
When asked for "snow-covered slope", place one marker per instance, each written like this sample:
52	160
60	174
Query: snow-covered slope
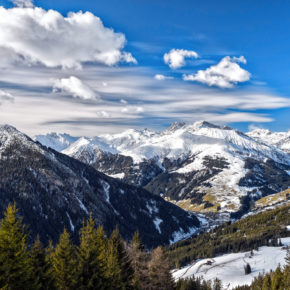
56	141
229	268
200	166
278	139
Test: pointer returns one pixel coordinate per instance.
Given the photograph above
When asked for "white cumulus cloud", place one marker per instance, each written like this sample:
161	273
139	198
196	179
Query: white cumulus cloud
175	58
225	74
75	87
34	35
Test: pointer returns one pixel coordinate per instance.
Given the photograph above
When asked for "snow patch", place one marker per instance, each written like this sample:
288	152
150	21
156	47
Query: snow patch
106	187
82	205
152	207
118	175
70	222
157	221
181	235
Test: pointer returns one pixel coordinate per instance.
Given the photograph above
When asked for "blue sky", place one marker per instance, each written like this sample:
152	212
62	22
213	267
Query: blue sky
100	94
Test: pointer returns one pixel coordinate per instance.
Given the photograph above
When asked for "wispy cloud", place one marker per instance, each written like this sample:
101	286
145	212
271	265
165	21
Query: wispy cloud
23	3
5	97
225	74
103	114
146	102
161	77
122	101
253	127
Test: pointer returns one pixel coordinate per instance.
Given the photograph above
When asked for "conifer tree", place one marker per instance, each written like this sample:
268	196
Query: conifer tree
266	283
205	285
123	259
136	240
139	261
217	284
15	264
91	255
287	271
42	269
277	280
49	254
258	282
248	269
64	263
114	271
159	271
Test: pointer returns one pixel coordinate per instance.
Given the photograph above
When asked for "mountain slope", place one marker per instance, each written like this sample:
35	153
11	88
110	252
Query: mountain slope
200	167
53	191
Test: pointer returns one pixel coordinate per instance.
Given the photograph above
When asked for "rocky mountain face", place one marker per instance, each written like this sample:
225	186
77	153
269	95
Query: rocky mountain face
53	191
200	167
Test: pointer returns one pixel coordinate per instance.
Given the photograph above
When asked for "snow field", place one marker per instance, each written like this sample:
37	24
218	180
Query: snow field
229	268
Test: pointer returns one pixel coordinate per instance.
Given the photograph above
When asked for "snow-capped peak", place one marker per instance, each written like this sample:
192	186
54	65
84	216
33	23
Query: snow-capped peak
175	126
92	146
56	141
9	135
260	132
9	129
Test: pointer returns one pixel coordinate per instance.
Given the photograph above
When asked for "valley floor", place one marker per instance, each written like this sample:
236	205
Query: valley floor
229	268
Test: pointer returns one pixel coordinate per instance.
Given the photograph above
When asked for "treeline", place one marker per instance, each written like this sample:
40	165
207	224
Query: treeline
265	228
277	280
96	262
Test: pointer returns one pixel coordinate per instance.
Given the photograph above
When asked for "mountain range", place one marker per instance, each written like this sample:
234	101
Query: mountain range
200	167
53	191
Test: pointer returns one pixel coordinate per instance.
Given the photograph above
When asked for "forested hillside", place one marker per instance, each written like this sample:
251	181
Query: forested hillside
246	234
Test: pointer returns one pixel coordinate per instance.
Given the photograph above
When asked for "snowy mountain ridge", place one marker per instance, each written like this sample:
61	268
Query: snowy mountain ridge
199	166
178	142
278	139
56	141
